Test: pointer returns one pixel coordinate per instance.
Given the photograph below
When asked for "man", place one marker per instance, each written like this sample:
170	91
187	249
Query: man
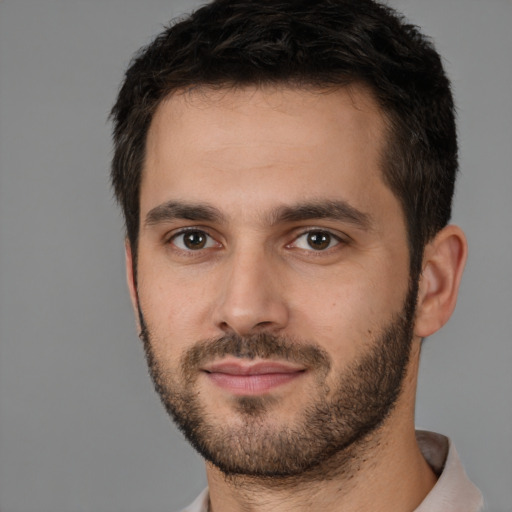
286	171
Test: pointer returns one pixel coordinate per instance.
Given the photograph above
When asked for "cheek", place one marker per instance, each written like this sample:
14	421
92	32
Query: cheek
173	311
345	312
337	320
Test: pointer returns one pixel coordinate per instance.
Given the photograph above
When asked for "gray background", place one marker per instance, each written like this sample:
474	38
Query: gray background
80	426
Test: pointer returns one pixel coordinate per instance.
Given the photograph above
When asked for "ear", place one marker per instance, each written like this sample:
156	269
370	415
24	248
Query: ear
443	263
130	280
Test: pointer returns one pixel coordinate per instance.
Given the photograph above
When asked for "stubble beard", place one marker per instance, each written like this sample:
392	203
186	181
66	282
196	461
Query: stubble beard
330	435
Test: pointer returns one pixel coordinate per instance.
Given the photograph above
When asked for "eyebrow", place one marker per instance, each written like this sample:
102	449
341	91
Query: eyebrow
173	210
338	210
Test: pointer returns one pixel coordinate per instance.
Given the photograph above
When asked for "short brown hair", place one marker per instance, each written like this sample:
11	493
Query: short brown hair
300	43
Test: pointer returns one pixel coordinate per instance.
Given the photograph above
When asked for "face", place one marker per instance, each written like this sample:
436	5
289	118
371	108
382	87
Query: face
272	275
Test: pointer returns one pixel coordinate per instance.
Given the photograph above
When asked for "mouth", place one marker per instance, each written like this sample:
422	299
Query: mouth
245	378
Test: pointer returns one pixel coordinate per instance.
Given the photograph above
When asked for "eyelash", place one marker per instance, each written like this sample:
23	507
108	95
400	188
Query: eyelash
190	230
292	245
311	231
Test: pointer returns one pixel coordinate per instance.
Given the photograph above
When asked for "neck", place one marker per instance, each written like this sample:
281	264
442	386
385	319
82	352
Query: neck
384	472
394	478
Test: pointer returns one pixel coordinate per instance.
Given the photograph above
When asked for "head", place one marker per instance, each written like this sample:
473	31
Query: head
301	44
286	172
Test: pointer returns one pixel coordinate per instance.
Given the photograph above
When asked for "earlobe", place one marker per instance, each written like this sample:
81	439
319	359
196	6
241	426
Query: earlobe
130	280
443	264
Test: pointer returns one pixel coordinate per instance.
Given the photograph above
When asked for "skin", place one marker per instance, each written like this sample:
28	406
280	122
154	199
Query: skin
248	153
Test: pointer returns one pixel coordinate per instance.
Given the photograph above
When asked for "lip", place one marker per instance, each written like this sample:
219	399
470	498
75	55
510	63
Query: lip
251	378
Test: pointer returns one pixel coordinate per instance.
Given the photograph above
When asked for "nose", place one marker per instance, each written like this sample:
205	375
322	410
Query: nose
251	297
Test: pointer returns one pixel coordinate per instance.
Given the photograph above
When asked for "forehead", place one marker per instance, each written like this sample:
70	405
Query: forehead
264	145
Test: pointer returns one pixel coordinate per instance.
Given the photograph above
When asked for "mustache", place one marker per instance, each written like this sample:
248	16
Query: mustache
261	345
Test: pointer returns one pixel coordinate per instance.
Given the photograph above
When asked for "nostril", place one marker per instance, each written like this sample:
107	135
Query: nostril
224	326
243	329
263	325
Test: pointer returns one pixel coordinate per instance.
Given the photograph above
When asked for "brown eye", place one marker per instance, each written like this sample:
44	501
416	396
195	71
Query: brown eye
319	240
316	240
193	240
